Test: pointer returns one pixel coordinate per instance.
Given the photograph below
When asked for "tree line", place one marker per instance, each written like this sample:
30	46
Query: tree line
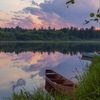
63	34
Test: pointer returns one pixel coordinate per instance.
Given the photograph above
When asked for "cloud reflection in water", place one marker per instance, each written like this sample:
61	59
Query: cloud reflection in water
28	68
18	83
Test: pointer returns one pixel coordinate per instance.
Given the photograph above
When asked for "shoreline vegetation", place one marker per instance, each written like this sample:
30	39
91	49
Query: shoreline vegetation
39	94
55	42
89	85
49	35
88	88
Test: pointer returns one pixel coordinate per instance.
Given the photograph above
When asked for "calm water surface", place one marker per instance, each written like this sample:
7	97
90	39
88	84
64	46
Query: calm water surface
26	68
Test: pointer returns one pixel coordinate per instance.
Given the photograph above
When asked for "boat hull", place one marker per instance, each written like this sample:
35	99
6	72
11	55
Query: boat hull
57	83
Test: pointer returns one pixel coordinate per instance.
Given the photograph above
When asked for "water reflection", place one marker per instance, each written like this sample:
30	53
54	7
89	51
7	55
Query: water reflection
19	82
64	48
27	69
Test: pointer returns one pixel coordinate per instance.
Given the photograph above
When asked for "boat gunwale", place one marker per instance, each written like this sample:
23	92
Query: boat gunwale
69	83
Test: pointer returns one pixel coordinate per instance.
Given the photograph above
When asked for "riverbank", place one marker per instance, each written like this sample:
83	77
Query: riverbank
88	88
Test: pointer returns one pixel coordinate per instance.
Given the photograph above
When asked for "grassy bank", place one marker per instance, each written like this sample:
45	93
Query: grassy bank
39	95
88	89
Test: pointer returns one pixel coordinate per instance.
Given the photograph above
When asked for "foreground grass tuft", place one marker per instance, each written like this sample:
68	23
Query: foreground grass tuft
38	95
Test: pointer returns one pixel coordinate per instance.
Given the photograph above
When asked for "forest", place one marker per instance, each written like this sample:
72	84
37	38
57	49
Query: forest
63	34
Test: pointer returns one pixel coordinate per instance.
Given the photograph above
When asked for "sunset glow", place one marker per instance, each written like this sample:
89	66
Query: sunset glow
45	13
35	58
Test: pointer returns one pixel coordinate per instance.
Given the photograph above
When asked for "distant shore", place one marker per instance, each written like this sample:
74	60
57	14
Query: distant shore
85	41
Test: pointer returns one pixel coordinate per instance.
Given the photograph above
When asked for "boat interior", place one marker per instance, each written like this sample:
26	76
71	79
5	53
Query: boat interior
58	79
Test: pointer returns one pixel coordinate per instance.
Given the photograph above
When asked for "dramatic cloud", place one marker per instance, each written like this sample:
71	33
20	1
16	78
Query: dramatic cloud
53	13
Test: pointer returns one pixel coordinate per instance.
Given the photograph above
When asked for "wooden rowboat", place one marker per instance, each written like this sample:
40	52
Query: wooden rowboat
56	82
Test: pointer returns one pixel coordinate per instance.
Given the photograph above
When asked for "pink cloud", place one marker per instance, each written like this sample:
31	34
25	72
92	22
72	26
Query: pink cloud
53	14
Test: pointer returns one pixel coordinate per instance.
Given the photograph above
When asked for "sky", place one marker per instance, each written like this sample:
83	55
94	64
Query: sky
44	13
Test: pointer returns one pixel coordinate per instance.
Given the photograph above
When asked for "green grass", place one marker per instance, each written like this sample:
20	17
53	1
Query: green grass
38	95
89	87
